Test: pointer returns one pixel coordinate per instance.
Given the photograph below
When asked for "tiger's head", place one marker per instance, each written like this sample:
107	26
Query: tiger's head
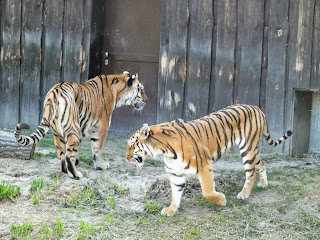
132	93
140	99
136	148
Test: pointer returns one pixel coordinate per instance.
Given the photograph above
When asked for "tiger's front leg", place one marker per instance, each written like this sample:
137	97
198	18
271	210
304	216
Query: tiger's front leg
97	143
178	183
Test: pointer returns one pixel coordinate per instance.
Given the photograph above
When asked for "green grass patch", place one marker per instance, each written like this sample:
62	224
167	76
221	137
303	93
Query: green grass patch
46	142
8	191
21	231
152	207
111	201
37	185
87	159
86	196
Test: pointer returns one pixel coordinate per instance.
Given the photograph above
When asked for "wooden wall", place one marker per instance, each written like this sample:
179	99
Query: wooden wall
42	42
212	54
216	53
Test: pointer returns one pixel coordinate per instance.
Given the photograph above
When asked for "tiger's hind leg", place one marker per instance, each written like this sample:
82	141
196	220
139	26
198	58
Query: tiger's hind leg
97	144
263	181
206	178
72	147
249	160
61	151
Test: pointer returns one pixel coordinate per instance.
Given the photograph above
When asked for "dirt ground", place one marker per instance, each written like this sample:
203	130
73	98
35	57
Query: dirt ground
139	187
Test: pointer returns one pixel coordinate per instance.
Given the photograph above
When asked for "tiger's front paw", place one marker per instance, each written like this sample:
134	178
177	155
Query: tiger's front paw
221	200
102	166
242	195
77	176
217	198
167	211
262	183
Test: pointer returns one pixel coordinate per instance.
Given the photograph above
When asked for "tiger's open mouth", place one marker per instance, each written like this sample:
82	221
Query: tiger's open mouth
138	162
139	105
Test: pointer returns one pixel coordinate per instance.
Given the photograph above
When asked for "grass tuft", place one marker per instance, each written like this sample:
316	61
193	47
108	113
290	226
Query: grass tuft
8	191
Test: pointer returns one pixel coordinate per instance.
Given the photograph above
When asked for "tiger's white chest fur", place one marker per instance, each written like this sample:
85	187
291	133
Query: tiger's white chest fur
178	166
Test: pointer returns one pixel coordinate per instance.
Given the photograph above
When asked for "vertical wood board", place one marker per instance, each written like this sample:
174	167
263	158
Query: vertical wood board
73	32
52	45
199	59
275	88
85	44
315	70
223	71
31	61
97	38
173	61
249	50
301	122
10	63
299	48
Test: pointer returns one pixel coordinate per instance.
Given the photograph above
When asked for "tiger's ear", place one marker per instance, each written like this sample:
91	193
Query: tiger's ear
132	79
144	131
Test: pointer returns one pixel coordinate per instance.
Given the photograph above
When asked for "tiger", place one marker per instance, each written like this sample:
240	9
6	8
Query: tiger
76	110
191	147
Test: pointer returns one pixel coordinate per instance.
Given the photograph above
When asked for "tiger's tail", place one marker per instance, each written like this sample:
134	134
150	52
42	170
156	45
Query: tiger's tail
273	143
41	131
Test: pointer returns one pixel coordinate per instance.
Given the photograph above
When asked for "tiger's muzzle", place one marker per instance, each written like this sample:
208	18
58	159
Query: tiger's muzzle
139	105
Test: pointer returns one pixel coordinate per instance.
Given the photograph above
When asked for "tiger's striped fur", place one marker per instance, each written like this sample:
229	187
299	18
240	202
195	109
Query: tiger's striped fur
190	147
74	110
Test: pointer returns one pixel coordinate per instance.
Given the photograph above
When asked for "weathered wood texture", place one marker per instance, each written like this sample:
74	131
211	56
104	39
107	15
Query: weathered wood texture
51	44
301	122
315	71
258	53
42	43
223	70
212	54
274	67
199	62
30	65
173	59
299	55
10	62
9	147
250	24
97	38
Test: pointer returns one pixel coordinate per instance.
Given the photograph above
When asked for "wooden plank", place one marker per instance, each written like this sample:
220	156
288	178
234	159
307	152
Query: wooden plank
85	45
199	59
315	71
1	44
301	122
10	148
73	32
10	63
275	45
299	48
172	60
97	38
223	71
249	51
52	45
163	63
31	61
